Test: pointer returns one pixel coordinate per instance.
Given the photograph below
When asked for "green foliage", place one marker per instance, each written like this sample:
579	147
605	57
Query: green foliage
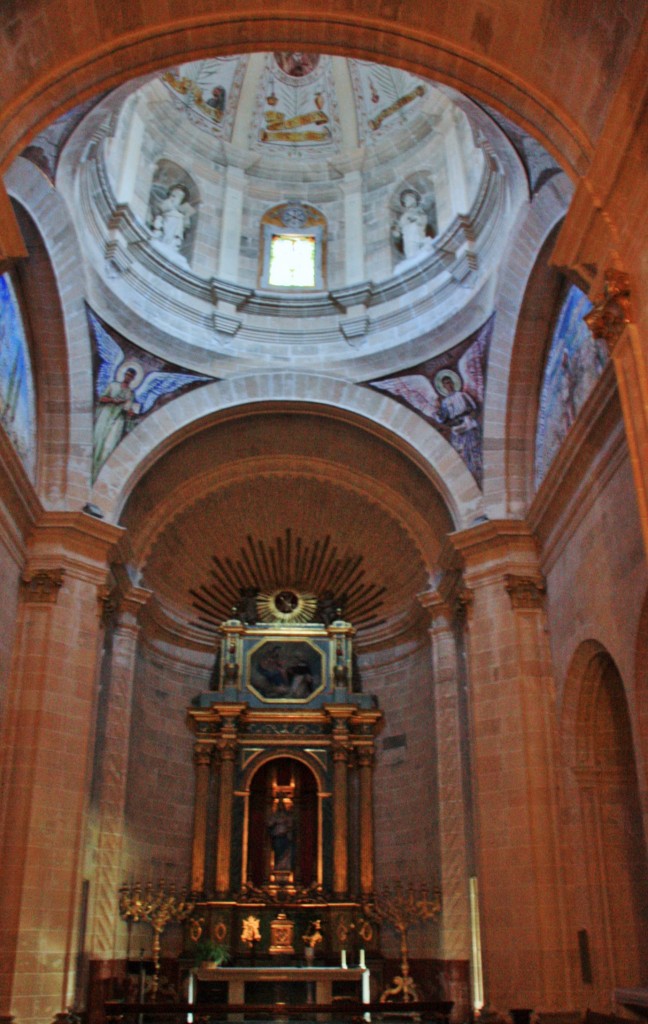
213	952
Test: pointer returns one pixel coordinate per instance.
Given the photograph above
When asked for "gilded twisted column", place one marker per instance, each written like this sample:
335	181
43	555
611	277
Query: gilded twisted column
202	765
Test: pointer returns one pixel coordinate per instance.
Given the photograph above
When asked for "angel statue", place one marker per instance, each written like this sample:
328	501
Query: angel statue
411	229
125	392
170	219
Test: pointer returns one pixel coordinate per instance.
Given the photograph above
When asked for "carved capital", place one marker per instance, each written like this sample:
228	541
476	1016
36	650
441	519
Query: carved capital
611	312
364	758
41	586
228	749
202	755
108	604
525	591
340	751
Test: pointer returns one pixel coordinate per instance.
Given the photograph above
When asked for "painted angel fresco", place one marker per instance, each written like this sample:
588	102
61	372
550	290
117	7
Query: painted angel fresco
125	391
449	393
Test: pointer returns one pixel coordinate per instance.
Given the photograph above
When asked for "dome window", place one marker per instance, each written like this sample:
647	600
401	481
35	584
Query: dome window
293	241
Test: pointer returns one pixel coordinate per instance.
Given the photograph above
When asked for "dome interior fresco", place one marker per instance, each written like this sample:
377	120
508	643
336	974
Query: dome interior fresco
182	184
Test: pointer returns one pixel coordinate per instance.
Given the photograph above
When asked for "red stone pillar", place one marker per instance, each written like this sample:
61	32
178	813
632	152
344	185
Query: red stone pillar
47	756
114	769
512	710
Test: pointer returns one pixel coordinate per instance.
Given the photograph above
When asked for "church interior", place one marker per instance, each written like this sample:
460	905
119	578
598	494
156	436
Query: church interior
391	257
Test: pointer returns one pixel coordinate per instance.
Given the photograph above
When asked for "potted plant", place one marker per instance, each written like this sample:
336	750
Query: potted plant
210	954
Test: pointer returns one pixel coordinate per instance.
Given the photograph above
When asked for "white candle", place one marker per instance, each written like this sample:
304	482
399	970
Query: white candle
362	958
343	962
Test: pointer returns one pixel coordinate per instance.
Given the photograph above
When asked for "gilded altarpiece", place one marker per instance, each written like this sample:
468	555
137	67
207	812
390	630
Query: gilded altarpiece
283	821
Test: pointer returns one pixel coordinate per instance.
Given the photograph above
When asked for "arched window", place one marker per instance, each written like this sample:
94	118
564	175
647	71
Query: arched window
293	245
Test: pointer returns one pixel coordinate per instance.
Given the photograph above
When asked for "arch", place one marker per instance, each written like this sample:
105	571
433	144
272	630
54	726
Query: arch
608	880
57	301
199	409
110	51
508	380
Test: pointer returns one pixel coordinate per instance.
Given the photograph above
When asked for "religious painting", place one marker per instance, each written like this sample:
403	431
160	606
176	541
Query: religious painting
17	400
574	364
384	95
448	392
286	670
296	102
129	385
45	150
207	91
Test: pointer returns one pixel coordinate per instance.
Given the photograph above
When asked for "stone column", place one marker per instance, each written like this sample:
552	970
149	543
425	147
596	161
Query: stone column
340	748
202	765
365	760
230	234
512	711
354	249
227	748
47	757
453	775
114	770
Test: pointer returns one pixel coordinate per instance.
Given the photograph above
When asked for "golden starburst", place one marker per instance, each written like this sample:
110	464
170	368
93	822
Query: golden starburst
286	605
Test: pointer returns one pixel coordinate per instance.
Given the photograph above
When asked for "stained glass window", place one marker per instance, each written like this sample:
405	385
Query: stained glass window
292	261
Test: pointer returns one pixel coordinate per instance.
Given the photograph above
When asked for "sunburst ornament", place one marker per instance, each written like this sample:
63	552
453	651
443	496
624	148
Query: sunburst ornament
286	605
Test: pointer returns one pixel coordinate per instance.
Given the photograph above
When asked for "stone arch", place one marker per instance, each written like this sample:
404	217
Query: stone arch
197	410
514	349
56	298
109	51
604	838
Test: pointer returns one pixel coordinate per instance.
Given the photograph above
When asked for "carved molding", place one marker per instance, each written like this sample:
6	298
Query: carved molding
611	313
41	586
525	591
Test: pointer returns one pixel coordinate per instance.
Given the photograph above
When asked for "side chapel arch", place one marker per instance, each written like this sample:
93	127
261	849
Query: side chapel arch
607	874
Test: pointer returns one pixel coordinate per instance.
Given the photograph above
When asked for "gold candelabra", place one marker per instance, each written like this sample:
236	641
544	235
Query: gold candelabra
157	907
401	908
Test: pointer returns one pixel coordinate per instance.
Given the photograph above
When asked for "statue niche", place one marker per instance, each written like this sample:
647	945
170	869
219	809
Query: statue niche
283	840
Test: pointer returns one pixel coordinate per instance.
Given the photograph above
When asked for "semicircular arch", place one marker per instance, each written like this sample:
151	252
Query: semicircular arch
200	409
107	55
59	319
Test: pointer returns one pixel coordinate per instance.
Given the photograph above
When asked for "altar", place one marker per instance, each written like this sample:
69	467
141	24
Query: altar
319	978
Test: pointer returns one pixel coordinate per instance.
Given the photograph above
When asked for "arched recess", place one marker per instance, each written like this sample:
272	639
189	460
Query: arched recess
105	52
381	415
640	717
306	812
55	292
604	839
514	350
525	376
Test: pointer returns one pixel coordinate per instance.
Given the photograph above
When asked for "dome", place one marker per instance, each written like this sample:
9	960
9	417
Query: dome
292	209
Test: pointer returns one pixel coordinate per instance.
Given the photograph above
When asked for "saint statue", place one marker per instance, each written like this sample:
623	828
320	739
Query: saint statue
170	220
280	828
410	229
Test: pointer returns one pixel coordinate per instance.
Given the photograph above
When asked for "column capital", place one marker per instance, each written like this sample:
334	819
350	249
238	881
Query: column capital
202	755
525	591
73	541
611	312
42	586
490	550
